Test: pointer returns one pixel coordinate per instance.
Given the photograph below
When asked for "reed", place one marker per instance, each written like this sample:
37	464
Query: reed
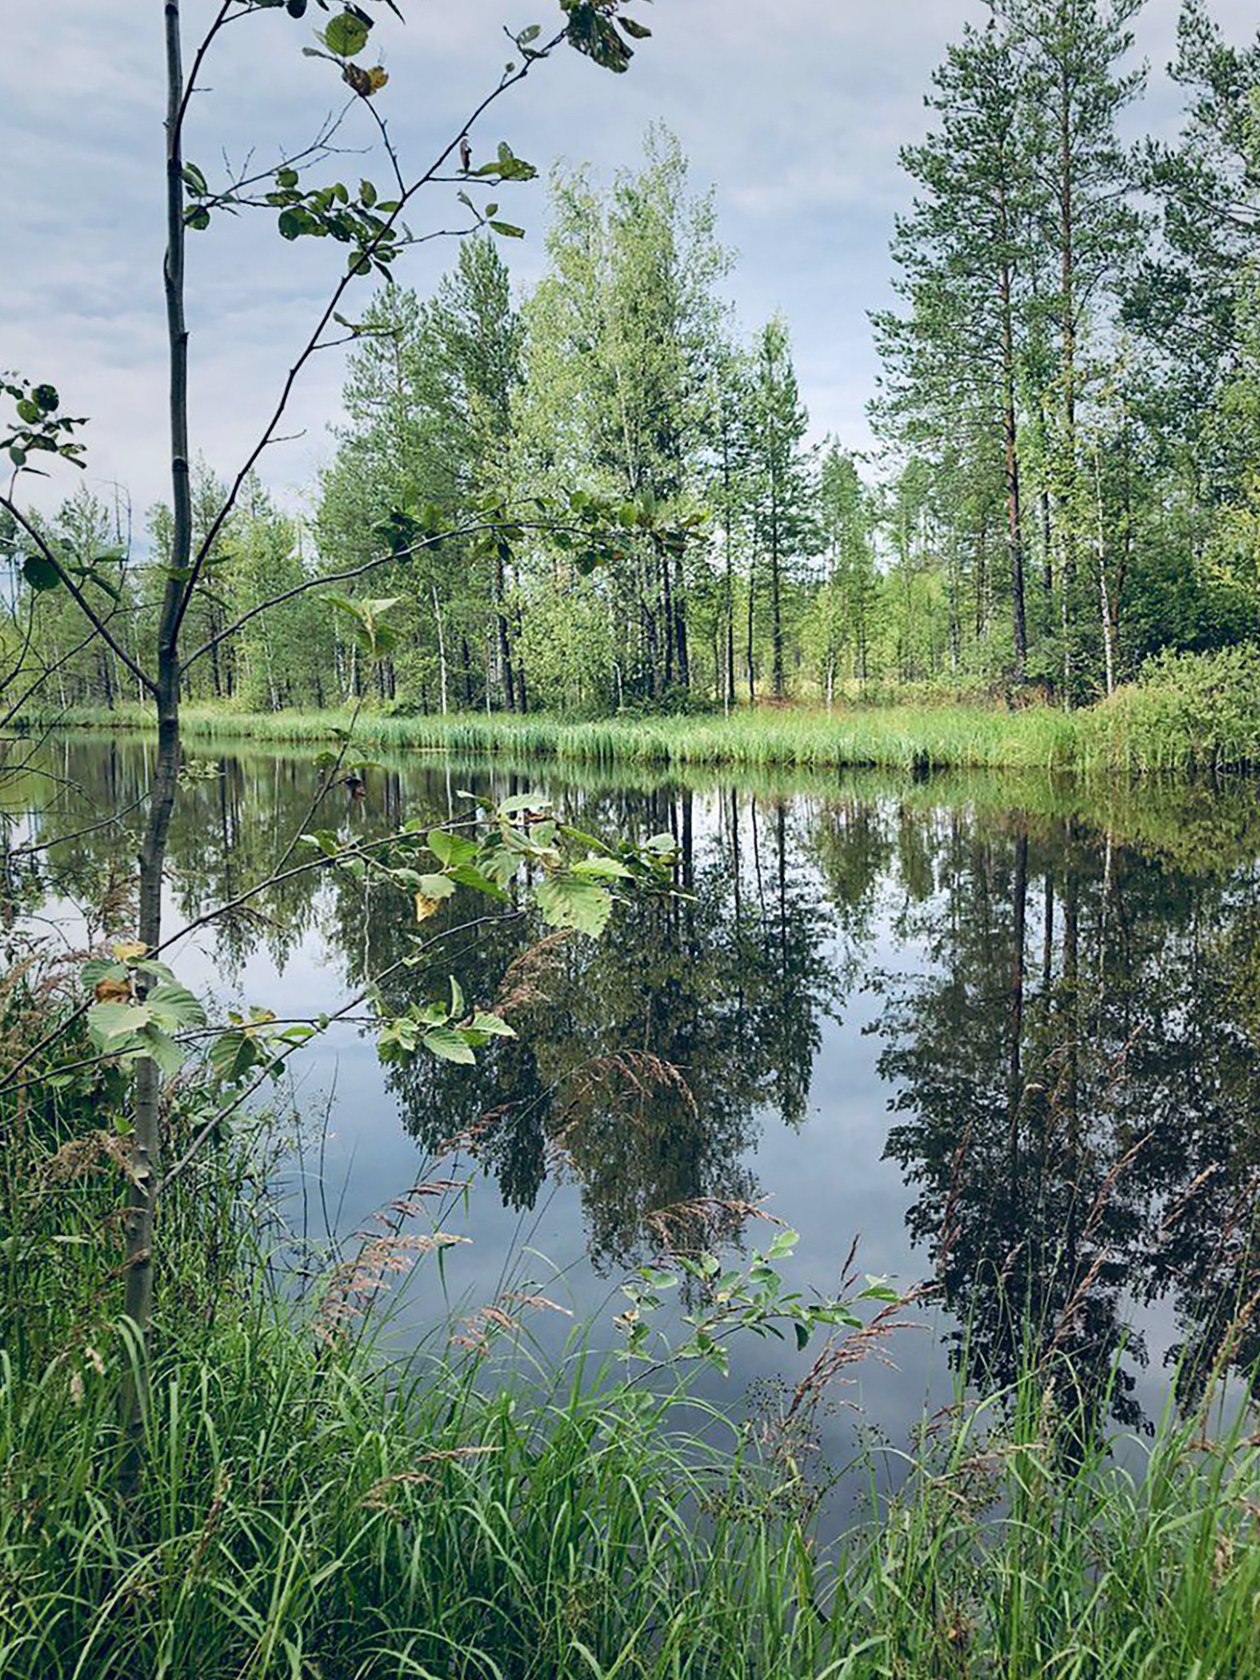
898	737
1188	712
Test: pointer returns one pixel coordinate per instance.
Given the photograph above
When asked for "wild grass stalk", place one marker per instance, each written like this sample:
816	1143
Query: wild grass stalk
320	1506
898	737
312	1511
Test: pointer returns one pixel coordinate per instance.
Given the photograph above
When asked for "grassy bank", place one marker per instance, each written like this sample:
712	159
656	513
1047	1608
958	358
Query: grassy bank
317	1505
1190	713
898	737
306	1514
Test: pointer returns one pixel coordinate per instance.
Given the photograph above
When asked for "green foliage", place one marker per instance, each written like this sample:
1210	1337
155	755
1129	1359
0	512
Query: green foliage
1187	712
38	427
315	1505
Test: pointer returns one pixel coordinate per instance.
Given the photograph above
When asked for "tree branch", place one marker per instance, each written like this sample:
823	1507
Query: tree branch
312	343
99	625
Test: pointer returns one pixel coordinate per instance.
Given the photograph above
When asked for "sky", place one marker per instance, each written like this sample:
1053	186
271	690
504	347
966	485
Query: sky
793	112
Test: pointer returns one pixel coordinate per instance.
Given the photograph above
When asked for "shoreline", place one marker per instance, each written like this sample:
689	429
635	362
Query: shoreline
1098	740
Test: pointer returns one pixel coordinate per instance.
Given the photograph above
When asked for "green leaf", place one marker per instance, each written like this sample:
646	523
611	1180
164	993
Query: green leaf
197	218
165	1052
450	848
508	230
40	572
173	1005
601	869
436	886
782	1245
468	876
522	802
365	616
325	839
492	1025
108	1021
233	1055
346	34
569	903
448	1044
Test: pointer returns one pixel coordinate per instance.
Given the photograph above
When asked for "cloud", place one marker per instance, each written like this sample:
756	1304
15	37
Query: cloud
795	111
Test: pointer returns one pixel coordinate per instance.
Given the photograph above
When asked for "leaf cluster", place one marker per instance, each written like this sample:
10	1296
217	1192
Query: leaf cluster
38	427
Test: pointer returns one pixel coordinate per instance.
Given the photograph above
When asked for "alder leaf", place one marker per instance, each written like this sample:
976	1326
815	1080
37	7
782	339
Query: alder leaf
449	1045
569	903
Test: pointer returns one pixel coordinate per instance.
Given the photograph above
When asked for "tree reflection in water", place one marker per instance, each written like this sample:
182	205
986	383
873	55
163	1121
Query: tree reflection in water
1068	1015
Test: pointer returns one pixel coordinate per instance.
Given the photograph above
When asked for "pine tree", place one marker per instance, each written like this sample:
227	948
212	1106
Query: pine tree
1075	90
781	476
965	249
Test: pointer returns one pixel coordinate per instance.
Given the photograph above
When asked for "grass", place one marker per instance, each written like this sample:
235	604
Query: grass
1187	713
309	1512
899	737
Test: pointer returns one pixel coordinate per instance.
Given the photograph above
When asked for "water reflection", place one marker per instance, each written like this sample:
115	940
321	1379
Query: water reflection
1063	987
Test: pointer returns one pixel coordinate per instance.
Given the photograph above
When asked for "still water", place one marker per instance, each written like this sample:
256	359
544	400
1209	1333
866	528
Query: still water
1001	1033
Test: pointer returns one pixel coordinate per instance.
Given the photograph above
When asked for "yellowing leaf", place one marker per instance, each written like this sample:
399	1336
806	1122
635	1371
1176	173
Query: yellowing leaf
129	949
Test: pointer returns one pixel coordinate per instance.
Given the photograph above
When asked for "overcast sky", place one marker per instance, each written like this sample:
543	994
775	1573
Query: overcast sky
794	110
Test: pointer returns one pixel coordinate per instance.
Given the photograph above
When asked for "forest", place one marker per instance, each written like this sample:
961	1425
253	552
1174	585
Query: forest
1067	487
629	1029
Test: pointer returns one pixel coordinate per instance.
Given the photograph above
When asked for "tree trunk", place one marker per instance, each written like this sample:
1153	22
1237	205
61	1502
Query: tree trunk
776	599
1067	271
752	686
680	624
441	636
505	646
522	698
146	1164
1010	437
730	572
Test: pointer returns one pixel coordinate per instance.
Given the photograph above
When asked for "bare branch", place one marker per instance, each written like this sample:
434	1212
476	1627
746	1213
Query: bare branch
313	341
98	624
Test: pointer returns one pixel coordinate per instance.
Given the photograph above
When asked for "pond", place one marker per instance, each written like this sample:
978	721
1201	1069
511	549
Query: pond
1001	1034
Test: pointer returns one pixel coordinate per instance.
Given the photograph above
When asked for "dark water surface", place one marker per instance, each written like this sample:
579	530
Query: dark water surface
1002	1032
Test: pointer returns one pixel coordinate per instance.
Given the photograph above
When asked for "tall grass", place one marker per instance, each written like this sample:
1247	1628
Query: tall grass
307	1513
898	737
1188	712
